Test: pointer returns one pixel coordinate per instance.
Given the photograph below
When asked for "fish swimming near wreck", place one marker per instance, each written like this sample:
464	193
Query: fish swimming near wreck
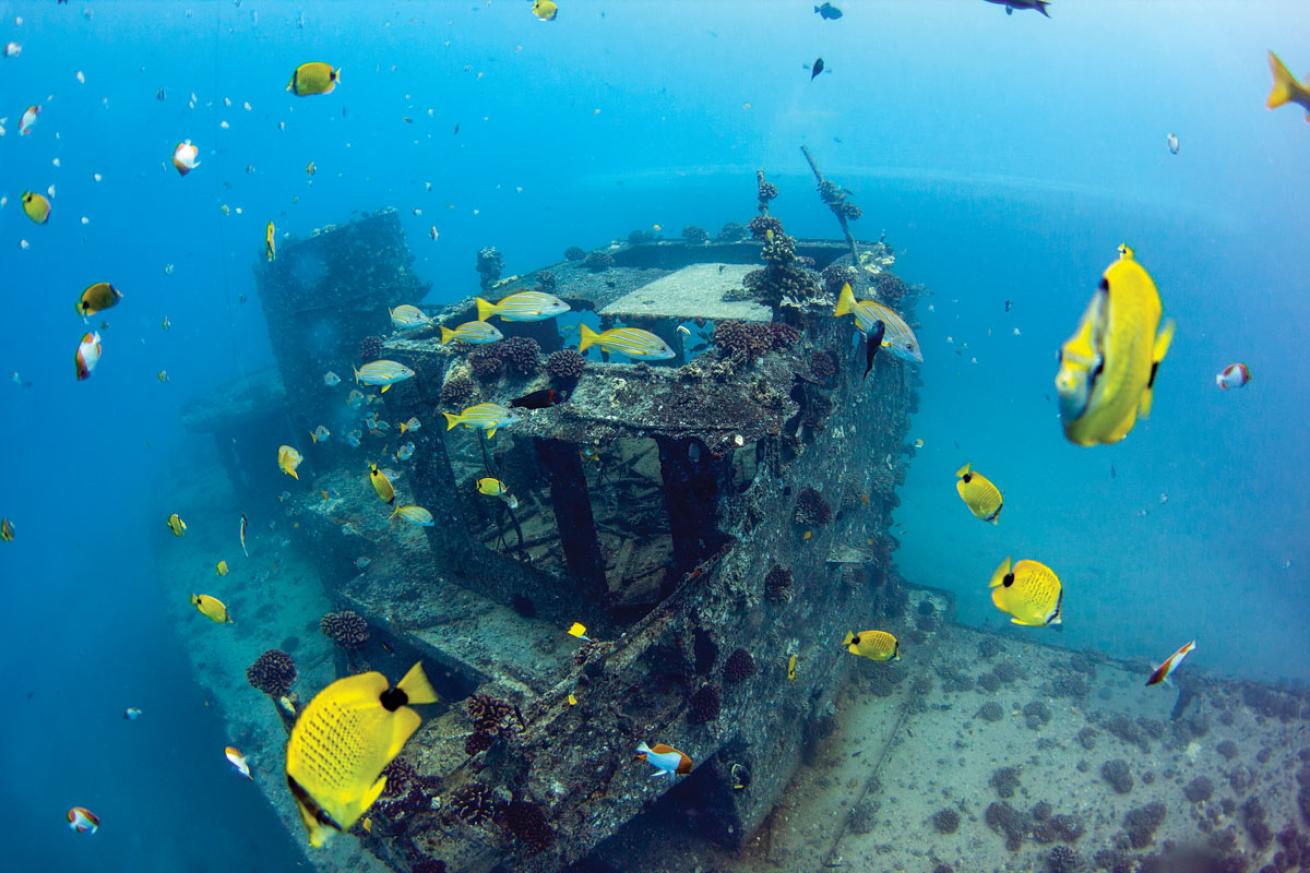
345	736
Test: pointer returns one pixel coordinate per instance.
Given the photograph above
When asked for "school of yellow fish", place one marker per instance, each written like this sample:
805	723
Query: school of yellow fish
353	728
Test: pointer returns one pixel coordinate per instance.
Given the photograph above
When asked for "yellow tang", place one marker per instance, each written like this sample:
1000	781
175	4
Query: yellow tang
211	608
579	630
1029	591
270	242
979	494
36	207
1107	368
288	459
176	525
345	736
315	77
875	645
382	485
97	298
221	568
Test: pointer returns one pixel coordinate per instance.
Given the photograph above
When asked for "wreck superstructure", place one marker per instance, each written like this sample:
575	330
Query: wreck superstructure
717	522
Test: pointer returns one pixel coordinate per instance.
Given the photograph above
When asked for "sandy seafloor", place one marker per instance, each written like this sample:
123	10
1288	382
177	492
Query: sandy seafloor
907	740
910	739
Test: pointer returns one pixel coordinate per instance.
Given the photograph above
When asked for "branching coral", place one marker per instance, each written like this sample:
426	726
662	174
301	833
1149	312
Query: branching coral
731	232
823	366
493	716
695	235
598	260
739	667
811	508
347	629
473	804
274	672
521	354
456	391
527	822
777	585
370	348
704	705
574	253
565	366
836	275
487	364
749	340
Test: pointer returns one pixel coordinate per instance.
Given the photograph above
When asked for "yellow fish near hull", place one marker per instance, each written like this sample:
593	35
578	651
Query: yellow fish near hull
288	459
270	242
979	494
1108	367
382	485
98	298
1286	89
341	742
211	608
1029	592
875	645
315	77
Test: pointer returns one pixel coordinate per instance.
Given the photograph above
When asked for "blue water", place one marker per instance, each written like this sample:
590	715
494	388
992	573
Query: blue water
1005	156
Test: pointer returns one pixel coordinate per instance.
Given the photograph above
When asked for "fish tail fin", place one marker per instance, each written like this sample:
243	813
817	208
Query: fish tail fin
963	471
643	749
313	437
404	426
1284	83
446	335
998	576
451	420
416	685
1162	341
356	369
336	75
486	309
588	337
1041	7
845	301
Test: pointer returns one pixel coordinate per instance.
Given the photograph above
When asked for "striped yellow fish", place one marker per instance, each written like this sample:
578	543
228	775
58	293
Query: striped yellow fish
406	317
270	242
483	416
414	514
1029	591
897	336
631	341
875	645
979	494
384	373
523	306
475	333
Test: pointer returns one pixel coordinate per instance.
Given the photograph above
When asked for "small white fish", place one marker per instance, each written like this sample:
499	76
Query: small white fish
1174	145
433	233
320	434
331	379
81	78
354	437
13	49
354	399
362	562
412	425
405	452
132	713
238	761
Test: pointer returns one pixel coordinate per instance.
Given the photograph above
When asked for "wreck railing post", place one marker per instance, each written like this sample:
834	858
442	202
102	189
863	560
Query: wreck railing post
692	490
573	517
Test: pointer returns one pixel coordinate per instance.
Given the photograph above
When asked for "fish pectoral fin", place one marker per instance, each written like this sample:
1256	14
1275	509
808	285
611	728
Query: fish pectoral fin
491	433
385	389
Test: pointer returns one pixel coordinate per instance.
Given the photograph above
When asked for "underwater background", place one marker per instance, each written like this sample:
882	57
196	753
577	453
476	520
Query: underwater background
1004	157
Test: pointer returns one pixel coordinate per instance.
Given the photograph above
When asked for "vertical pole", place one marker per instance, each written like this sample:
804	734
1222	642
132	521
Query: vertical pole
572	506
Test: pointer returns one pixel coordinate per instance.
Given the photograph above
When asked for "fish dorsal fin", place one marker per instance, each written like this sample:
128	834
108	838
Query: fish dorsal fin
416	685
963	471
999	575
662	749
